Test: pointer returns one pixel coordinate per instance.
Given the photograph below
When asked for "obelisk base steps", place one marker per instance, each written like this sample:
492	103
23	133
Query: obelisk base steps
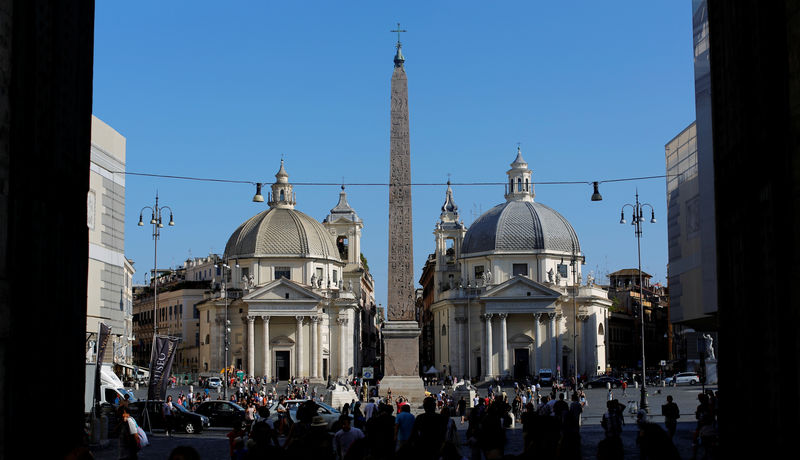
401	369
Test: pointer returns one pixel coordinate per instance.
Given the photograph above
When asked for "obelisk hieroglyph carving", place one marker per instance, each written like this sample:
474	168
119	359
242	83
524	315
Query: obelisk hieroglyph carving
401	257
401	332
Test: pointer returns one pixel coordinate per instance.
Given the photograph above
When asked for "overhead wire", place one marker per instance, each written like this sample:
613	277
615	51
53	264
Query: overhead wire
386	184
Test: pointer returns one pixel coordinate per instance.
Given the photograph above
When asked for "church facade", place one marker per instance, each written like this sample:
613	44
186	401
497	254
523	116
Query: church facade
300	299
508	298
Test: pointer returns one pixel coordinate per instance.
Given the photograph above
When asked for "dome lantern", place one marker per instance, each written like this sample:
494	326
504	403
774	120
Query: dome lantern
282	195
520	183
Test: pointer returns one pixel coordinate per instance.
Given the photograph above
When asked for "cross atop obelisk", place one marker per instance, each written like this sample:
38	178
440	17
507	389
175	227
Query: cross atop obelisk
401	332
398	57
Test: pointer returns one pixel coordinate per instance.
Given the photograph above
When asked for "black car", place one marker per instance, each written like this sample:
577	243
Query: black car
190	422
222	413
600	382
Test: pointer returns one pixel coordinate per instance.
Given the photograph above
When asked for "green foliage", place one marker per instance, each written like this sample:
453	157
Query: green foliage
364	262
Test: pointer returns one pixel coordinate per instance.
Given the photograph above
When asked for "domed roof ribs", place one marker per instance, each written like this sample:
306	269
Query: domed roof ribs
301	230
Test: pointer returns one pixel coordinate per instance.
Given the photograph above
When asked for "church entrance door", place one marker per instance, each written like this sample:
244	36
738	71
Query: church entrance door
282	365
521	366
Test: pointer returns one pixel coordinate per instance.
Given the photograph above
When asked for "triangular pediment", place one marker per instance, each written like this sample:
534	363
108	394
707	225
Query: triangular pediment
279	289
520	286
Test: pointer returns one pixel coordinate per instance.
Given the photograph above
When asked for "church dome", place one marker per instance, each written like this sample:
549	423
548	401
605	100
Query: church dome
518	225
281	232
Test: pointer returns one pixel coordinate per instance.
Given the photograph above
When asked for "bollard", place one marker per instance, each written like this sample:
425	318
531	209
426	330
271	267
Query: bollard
608	385
636	384
103	427
663	384
95	424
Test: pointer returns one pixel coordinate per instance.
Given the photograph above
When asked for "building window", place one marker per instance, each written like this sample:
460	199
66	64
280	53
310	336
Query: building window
197	339
562	270
208	339
478	272
444	330
319	273
245	272
286	295
600	329
342	245
283	272
519	269
335	277
519	184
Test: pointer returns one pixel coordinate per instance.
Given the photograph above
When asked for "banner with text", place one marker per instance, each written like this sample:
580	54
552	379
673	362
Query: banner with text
160	366
102	341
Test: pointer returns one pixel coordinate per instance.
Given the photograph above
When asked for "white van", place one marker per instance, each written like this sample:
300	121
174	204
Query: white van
111	388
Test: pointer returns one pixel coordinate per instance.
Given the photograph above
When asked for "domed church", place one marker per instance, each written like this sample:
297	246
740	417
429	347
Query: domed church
303	296
504	299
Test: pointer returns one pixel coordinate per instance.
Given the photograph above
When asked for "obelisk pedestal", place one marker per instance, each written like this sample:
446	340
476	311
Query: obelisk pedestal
401	331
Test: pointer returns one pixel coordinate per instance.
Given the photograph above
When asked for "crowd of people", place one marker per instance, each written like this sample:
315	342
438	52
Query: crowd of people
378	428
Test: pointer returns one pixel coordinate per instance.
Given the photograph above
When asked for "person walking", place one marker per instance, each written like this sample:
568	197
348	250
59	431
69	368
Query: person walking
168	411
462	409
128	435
671	414
344	438
624	387
428	433
404	423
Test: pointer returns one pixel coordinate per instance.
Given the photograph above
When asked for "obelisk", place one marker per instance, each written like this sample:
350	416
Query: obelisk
401	332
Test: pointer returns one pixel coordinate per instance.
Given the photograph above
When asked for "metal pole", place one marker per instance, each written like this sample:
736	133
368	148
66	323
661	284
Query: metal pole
155	268
225	325
575	308
638	221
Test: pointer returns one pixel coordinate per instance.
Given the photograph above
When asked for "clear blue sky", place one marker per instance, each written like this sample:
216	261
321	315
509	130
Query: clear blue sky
591	90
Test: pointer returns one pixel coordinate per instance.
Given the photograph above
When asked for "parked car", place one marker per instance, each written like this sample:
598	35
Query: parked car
602	381
188	421
327	412
222	413
683	377
214	382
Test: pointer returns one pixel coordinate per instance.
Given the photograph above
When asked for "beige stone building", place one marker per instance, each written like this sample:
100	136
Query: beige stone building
108	294
297	294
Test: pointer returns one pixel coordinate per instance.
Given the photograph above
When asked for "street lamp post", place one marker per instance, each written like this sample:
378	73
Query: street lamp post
156	222
574	263
637	220
227	326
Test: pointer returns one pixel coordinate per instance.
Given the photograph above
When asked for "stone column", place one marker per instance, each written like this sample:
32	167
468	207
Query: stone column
267	351
560	340
489	368
503	344
460	346
299	348
314	347
537	343
342	322
251	346
553	343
